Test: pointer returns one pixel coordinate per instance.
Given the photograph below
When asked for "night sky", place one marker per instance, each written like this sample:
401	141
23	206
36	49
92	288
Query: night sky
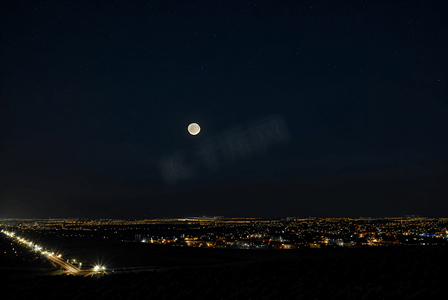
306	108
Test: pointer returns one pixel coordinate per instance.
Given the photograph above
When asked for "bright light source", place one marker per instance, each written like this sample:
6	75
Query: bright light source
96	268
103	268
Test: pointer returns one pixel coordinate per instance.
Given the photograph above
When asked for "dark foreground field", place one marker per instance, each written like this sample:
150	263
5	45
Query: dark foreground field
129	254
365	273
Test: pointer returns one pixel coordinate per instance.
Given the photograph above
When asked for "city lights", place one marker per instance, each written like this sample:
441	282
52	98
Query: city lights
234	233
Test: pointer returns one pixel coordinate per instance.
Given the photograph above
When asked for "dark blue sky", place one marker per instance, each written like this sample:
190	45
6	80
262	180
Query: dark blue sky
96	99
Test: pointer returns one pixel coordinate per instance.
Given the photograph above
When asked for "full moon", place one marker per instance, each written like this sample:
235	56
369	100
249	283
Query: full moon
194	128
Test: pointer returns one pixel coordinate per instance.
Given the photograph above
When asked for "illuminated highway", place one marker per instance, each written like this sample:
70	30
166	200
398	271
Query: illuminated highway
69	268
56	259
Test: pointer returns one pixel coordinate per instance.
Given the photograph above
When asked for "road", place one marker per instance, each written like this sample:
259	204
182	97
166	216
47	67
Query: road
71	269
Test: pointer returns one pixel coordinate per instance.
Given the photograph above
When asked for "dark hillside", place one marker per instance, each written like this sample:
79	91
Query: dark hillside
372	273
